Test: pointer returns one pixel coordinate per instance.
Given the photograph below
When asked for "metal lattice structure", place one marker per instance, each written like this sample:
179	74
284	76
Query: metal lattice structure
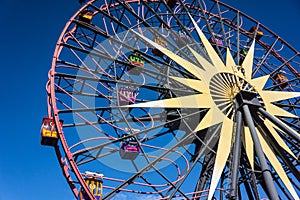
174	100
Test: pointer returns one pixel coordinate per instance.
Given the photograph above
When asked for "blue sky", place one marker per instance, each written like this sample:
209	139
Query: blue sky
29	31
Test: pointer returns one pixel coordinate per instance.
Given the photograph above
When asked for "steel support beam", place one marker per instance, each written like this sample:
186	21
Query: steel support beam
280	124
236	156
266	172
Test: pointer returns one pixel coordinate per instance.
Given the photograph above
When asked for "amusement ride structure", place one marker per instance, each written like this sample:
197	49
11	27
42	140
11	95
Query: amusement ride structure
174	99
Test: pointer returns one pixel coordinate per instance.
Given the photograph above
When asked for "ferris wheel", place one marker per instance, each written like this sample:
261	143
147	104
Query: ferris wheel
174	99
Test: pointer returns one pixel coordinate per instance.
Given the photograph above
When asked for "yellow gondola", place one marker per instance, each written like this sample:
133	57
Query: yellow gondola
94	181
49	135
259	33
85	16
281	80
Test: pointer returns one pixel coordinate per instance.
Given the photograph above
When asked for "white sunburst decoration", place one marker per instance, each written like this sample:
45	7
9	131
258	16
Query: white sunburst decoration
218	84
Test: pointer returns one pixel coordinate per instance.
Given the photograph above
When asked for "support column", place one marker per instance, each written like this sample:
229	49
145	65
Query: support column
278	123
236	156
268	179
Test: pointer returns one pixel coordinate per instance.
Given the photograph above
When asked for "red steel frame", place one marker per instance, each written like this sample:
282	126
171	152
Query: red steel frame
53	112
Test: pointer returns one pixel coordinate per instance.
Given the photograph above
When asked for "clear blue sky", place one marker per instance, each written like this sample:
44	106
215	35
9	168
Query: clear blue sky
28	34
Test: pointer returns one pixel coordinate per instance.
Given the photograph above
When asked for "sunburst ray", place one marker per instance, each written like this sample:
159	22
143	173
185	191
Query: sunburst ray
249	146
213	116
222	154
287	127
277	111
225	83
205	63
260	82
218	88
248	62
273	96
216	60
229	59
191	101
197	85
279	140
